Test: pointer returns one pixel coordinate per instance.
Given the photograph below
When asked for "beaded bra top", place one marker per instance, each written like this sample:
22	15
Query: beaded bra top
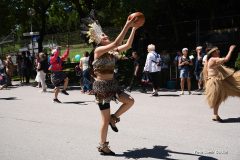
104	64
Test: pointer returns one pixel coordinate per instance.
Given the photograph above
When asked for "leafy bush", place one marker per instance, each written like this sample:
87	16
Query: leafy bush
237	63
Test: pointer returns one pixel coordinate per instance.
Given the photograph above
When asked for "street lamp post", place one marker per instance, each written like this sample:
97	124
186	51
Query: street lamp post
31	13
68	9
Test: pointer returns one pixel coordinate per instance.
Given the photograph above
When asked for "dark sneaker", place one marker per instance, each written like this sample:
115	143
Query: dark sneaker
155	94
65	92
55	100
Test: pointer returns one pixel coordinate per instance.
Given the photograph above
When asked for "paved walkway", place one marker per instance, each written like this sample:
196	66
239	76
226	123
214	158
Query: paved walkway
165	127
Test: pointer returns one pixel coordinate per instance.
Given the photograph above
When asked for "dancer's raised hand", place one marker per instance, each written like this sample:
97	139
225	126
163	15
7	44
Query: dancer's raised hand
231	48
130	22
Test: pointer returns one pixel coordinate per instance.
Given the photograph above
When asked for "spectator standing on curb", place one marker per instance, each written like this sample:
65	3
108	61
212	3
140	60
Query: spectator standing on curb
83	65
26	67
177	68
36	62
9	69
42	69
185	63
199	67
19	60
153	67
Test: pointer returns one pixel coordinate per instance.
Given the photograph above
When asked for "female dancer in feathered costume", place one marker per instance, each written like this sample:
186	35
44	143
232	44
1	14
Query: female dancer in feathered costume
105	86
221	82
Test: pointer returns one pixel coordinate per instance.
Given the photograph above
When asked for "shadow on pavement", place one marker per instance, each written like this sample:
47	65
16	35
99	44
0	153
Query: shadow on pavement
74	88
157	152
197	93
9	98
167	90
78	102
169	95
206	158
165	95
231	120
12	86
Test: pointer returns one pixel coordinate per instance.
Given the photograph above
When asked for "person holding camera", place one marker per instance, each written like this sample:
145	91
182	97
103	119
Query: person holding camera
185	64
153	67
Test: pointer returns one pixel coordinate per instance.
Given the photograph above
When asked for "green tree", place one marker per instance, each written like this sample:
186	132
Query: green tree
3	18
41	8
166	20
237	63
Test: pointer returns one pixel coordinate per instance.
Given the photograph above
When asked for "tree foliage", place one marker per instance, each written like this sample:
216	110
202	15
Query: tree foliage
166	20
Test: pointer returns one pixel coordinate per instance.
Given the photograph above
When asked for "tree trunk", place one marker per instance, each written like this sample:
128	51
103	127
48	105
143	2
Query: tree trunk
42	10
42	32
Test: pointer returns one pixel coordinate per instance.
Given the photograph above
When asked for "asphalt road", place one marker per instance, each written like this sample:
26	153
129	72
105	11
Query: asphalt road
165	127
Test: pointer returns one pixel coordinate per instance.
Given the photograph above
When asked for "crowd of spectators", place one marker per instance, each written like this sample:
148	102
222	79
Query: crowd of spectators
161	68
156	70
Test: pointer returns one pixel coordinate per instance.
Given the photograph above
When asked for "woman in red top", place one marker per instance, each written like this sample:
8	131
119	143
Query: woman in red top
58	76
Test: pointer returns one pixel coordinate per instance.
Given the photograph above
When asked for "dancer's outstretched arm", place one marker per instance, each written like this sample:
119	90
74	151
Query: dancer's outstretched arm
219	61
127	45
104	49
65	55
231	48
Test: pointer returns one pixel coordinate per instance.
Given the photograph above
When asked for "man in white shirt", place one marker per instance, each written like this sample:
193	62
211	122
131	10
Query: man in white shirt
152	66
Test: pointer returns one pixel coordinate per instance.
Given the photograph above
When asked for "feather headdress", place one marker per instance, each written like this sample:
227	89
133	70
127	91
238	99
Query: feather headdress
91	28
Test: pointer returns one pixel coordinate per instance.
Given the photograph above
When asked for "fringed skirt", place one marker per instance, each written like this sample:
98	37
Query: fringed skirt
217	91
57	78
106	90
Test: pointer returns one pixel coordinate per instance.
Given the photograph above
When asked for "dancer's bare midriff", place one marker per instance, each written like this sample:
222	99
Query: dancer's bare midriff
104	77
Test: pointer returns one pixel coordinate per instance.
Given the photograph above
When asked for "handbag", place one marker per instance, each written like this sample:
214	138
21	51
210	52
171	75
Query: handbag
145	78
